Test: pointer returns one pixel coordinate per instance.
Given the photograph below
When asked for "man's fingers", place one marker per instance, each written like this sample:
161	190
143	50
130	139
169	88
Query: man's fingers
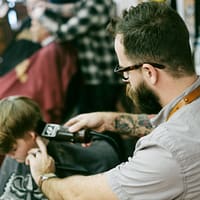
29	159
41	145
34	151
77	126
77	123
71	121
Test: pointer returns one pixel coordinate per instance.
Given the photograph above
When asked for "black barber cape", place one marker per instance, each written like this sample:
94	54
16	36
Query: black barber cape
16	181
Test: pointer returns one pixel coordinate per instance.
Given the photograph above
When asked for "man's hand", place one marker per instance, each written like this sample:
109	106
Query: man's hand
40	162
98	121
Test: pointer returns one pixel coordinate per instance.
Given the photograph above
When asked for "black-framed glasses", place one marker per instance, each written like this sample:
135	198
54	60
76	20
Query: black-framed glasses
119	69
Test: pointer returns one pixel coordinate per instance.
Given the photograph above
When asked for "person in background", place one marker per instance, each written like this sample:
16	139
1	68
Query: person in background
60	60
33	69
157	65
86	28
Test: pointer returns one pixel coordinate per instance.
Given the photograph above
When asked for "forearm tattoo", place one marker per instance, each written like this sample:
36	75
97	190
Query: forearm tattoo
134	126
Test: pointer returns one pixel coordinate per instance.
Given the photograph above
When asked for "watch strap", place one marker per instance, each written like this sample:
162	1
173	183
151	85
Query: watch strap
45	177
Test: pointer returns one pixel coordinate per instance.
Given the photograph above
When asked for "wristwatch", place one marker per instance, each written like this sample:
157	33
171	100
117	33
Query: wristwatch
45	177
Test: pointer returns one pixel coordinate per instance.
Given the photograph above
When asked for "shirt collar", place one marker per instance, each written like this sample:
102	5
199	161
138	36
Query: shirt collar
163	114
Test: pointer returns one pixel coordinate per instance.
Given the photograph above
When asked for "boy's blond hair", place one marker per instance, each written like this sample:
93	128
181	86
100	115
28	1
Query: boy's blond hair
18	115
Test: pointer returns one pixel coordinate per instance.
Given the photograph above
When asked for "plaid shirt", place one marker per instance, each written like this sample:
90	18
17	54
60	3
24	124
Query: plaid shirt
87	28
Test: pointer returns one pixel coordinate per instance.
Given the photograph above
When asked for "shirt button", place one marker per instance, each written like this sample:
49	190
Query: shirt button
186	100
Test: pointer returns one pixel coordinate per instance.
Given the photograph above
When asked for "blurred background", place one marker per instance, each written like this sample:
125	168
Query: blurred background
13	12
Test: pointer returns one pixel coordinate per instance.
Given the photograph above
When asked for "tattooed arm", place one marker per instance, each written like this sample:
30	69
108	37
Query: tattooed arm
123	123
132	124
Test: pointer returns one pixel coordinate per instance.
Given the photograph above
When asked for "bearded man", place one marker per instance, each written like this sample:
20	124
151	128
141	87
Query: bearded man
152	46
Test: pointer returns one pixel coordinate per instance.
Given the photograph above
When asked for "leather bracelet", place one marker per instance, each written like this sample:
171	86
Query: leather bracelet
45	177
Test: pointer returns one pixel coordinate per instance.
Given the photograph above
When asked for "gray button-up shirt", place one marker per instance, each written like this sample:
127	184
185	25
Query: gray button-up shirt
166	163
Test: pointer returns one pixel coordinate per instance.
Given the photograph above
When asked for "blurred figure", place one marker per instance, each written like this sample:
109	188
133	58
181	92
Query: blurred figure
34	70
86	28
60	59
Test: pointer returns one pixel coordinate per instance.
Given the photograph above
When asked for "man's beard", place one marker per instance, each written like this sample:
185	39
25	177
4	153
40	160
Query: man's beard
144	99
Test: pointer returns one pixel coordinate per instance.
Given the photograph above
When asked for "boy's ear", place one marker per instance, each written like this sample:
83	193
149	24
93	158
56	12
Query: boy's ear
32	134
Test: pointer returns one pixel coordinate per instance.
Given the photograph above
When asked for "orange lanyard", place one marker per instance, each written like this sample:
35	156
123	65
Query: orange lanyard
186	100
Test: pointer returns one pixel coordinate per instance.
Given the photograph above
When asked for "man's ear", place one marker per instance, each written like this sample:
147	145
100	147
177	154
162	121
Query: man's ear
150	73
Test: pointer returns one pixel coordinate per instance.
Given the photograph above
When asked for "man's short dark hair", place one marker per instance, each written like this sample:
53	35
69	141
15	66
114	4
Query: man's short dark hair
154	32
